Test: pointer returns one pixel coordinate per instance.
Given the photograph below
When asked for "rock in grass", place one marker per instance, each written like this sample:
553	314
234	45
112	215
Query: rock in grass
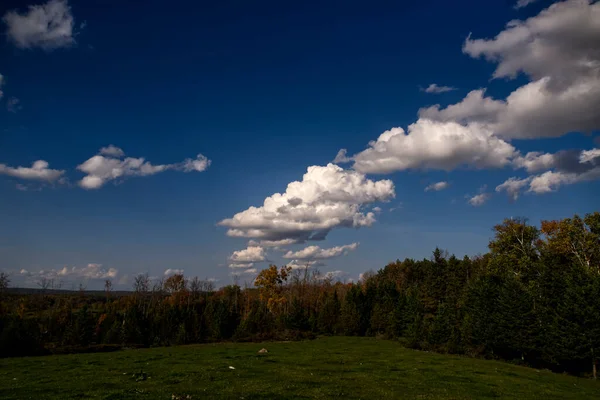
263	350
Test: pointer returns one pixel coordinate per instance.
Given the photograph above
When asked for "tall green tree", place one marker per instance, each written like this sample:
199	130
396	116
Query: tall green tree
514	249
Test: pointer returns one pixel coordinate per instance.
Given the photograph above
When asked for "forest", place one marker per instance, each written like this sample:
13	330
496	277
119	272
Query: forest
532	299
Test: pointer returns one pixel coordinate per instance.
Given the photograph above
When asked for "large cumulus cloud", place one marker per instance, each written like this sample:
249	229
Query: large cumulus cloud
326	198
434	145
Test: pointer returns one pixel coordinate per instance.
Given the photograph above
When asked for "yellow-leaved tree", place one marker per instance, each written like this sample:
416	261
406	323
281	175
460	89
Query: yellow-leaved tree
270	283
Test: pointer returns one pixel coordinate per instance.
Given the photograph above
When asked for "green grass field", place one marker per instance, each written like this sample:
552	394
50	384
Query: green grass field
357	368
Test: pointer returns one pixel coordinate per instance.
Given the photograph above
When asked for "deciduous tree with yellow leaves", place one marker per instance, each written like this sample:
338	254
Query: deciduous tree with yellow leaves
270	282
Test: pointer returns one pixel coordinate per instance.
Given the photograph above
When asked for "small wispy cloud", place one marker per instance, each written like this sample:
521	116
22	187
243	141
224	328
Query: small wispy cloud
342	157
523	3
399	206
173	271
437	186
92	271
317	253
13	105
39	170
479	199
434	88
111	164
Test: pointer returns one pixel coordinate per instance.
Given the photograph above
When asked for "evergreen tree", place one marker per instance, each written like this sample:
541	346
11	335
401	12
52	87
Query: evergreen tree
351	318
480	325
577	319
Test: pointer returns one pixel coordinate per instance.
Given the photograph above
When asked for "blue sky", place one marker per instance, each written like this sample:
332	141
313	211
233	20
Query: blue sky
228	103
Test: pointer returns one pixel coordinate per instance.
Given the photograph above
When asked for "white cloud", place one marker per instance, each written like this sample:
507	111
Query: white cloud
377	209
513	186
569	161
557	50
399	206
538	46
302	264
251	254
434	145
327	197
241	265
535	161
276	244
474	107
479	199
173	271
364	276
101	169
523	3
48	26
112	151
531	111
434	88
110	165
249	271
342	157
550	181
437	186
337	275
587	156
91	271
317	253
199	164
38	171
565	167
13	105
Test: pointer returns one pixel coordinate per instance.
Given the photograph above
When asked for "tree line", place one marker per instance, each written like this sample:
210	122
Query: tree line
533	298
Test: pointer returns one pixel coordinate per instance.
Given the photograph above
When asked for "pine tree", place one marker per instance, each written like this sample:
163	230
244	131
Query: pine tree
577	319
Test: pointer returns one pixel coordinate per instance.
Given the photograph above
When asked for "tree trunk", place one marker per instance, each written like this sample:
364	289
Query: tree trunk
593	363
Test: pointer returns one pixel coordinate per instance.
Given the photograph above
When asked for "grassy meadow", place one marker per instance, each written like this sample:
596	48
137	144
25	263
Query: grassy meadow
332	367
